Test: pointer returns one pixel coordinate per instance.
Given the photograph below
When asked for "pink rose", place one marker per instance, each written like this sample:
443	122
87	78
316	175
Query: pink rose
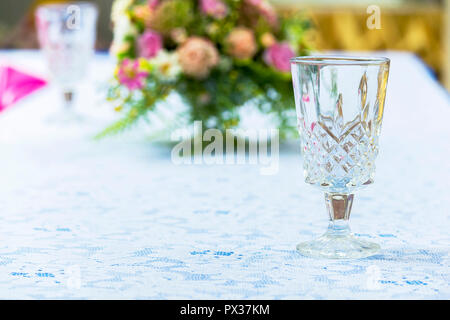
153	3
265	9
215	8
278	56
268	12
254	2
149	44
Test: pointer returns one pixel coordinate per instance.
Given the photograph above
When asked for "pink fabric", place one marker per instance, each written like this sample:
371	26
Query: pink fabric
14	85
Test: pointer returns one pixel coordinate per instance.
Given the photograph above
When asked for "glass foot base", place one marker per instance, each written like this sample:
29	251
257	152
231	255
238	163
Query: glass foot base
334	246
66	117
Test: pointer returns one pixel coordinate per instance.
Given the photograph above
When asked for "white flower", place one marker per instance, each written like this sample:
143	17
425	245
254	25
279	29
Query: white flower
119	9
119	48
122	28
166	65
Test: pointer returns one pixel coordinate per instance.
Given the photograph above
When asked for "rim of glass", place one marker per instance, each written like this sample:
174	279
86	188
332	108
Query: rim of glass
339	60
84	4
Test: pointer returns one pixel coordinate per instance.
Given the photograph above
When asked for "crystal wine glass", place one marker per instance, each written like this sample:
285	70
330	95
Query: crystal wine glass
339	103
67	34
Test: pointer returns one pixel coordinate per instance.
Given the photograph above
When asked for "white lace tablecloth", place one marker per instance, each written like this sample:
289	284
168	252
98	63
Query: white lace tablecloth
117	219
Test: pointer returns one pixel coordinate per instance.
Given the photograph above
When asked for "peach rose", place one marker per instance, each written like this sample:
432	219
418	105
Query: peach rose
241	43
197	56
179	35
143	13
268	40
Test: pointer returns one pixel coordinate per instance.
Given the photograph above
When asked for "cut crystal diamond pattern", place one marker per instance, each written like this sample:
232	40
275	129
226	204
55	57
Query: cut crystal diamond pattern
339	154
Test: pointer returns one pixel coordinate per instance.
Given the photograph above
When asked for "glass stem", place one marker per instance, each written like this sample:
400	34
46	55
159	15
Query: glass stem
339	207
68	99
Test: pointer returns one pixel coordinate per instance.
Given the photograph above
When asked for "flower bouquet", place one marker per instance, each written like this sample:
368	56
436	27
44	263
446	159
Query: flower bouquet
217	55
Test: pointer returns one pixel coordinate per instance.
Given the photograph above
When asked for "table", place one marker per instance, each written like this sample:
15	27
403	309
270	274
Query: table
84	219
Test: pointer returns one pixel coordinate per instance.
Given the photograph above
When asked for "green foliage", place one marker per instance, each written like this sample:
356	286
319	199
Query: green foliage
172	14
137	104
294	28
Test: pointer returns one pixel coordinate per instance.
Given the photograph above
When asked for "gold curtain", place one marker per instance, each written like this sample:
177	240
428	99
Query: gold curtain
418	29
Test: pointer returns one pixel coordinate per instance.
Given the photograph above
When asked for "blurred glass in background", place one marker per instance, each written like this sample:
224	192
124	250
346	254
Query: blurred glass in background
418	26
67	34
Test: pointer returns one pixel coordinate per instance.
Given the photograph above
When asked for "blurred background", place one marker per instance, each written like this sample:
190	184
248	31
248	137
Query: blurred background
418	26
